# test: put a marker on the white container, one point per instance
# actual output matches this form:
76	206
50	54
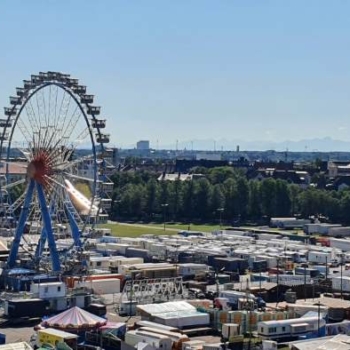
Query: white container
191	269
101	247
324	228
340	243
121	248
339	283
99	262
269	345
339	231
230	330
193	345
319	257
181	321
215	346
158	341
122	260
49	290
103	286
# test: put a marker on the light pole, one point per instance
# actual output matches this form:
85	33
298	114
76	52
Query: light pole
278	281
341	275
304	282
164	206
220	210
318	304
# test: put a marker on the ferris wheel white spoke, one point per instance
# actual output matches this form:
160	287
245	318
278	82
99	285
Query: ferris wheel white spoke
56	102
68	165
13	184
71	125
24	131
31	116
19	201
64	110
78	177
39	105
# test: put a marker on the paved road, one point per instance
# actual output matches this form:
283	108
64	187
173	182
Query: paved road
17	334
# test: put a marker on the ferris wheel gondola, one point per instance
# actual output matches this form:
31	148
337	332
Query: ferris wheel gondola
52	153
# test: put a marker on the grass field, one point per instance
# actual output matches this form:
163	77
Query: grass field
136	230
193	227
121	230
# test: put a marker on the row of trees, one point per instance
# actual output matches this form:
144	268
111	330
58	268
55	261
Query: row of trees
222	193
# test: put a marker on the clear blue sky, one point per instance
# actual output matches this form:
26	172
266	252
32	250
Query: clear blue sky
187	69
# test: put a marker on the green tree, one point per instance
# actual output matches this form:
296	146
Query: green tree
345	208
283	201
187	199
174	192
242	197
202	196
217	200
219	175
254	204
230	193
309	202
151	197
294	191
268	197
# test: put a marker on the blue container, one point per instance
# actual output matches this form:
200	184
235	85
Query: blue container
2	339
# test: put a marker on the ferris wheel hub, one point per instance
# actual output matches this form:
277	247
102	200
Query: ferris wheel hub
39	168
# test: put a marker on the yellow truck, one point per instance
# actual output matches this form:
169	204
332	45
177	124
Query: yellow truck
54	338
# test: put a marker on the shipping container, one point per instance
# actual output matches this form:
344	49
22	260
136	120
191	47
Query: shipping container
158	341
138	253
143	323
192	270
229	330
72	282
230	264
320	257
259	266
339	231
26	308
176	337
101	286
312	273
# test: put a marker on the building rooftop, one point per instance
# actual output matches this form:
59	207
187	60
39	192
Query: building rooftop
326	301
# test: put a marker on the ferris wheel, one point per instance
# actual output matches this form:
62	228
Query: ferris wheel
54	168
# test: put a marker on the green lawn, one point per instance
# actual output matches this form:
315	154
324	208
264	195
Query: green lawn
193	227
136	230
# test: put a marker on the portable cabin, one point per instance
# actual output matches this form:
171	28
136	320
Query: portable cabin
295	327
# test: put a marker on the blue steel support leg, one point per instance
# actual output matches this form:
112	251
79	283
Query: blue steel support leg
40	247
74	227
20	226
41	244
56	266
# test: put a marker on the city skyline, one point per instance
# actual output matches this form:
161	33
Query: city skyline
196	70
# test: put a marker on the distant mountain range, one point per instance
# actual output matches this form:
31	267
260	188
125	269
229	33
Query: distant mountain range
326	144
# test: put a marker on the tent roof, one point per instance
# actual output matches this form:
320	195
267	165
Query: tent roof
172	306
74	318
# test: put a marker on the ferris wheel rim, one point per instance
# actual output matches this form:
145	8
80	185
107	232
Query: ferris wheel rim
16	112
28	98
